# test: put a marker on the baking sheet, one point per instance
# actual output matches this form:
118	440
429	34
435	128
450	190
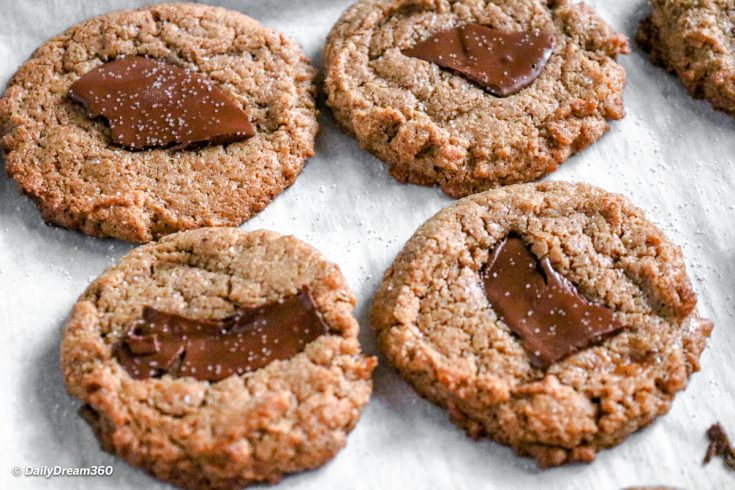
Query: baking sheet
672	155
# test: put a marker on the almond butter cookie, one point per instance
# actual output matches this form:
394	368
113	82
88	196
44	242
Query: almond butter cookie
471	95
217	358
695	40
140	123
553	318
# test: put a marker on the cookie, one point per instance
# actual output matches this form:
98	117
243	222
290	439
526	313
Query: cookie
656	487
551	317
140	123
695	41
473	95
217	358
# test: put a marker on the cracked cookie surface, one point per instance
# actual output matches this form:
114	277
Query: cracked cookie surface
288	416
434	127
695	40
66	162
434	322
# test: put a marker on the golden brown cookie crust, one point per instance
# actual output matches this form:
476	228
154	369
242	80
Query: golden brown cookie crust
435	325
288	416
433	127
65	162
695	40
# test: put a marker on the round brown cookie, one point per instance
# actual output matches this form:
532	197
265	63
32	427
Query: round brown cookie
435	322
695	40
433	126
205	430
67	163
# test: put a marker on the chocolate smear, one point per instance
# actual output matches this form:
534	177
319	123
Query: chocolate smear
149	103
541	306
503	63
166	343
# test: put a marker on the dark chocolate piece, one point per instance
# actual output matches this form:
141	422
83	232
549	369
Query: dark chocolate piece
166	343
719	445
542	307
504	63
153	104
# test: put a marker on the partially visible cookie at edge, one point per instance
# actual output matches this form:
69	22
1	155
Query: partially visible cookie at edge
172	411
695	39
435	127
67	162
437	325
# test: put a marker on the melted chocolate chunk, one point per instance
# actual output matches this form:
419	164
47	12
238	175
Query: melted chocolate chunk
543	308
152	104
504	63
719	445
165	343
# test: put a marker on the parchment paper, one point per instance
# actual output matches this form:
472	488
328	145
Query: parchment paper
671	155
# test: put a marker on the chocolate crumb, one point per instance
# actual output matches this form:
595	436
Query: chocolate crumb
719	445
